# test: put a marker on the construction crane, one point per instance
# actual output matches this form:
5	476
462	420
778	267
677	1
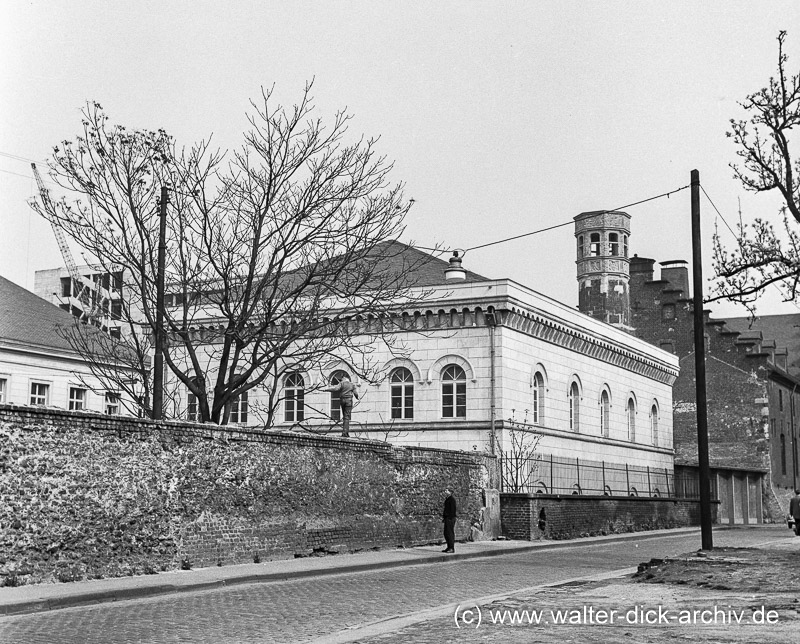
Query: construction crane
77	280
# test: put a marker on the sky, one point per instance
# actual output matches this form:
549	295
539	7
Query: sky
501	118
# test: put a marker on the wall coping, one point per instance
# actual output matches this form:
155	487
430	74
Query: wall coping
127	425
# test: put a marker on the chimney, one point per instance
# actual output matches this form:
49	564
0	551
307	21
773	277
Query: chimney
642	268
676	272
454	272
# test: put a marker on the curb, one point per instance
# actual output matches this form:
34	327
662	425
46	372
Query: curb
141	592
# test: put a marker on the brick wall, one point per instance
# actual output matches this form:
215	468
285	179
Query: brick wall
569	517
742	383
87	496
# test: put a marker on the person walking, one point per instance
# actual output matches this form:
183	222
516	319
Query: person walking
346	390
794	510
449	518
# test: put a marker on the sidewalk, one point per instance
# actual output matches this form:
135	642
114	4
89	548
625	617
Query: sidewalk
40	597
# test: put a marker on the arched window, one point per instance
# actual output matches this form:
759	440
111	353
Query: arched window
574	407
604	412
538	399
654	423
294	407
238	413
402	393
613	243
594	244
454	392
335	379
631	420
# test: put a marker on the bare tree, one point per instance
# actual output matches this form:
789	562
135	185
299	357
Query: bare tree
519	455
764	256
121	365
280	255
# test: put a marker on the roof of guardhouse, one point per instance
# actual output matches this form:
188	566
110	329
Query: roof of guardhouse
27	319
426	269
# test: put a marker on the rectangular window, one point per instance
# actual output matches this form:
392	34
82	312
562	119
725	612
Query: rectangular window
454	400
294	405
66	286
40	393
77	399
402	401
112	403
3	389
780	399
239	410
191	407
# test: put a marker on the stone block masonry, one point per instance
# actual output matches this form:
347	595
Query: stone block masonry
87	496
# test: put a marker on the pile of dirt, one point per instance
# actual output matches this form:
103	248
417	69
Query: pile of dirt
747	570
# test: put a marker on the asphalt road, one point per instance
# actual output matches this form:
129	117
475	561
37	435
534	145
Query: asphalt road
390	605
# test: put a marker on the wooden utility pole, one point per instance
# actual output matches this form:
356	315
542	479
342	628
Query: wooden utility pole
700	369
158	361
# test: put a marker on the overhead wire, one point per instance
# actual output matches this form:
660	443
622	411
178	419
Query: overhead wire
542	230
739	242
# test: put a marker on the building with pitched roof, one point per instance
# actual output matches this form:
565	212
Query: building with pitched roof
473	364
38	366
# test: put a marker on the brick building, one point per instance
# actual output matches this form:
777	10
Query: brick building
752	397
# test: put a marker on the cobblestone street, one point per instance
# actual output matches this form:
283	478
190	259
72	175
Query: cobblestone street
342	607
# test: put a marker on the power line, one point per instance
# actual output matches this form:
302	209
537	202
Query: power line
18	174
719	213
16	157
739	241
571	222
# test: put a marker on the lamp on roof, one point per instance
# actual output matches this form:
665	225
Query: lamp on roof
454	271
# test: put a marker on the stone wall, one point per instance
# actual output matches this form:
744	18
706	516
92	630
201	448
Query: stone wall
569	517
88	496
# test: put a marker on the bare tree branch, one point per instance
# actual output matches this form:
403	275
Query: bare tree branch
764	143
274	251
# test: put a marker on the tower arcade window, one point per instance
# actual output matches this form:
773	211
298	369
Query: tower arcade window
594	244
613	243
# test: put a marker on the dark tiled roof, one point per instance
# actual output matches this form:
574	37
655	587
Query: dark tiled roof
784	329
417	267
27	319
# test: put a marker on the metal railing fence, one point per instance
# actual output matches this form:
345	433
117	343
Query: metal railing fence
548	474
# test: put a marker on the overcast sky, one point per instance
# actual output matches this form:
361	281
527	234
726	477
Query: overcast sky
502	117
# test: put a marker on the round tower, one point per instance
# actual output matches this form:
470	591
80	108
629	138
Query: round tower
603	265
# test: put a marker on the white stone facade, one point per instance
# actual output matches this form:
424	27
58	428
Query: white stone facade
48	378
501	334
